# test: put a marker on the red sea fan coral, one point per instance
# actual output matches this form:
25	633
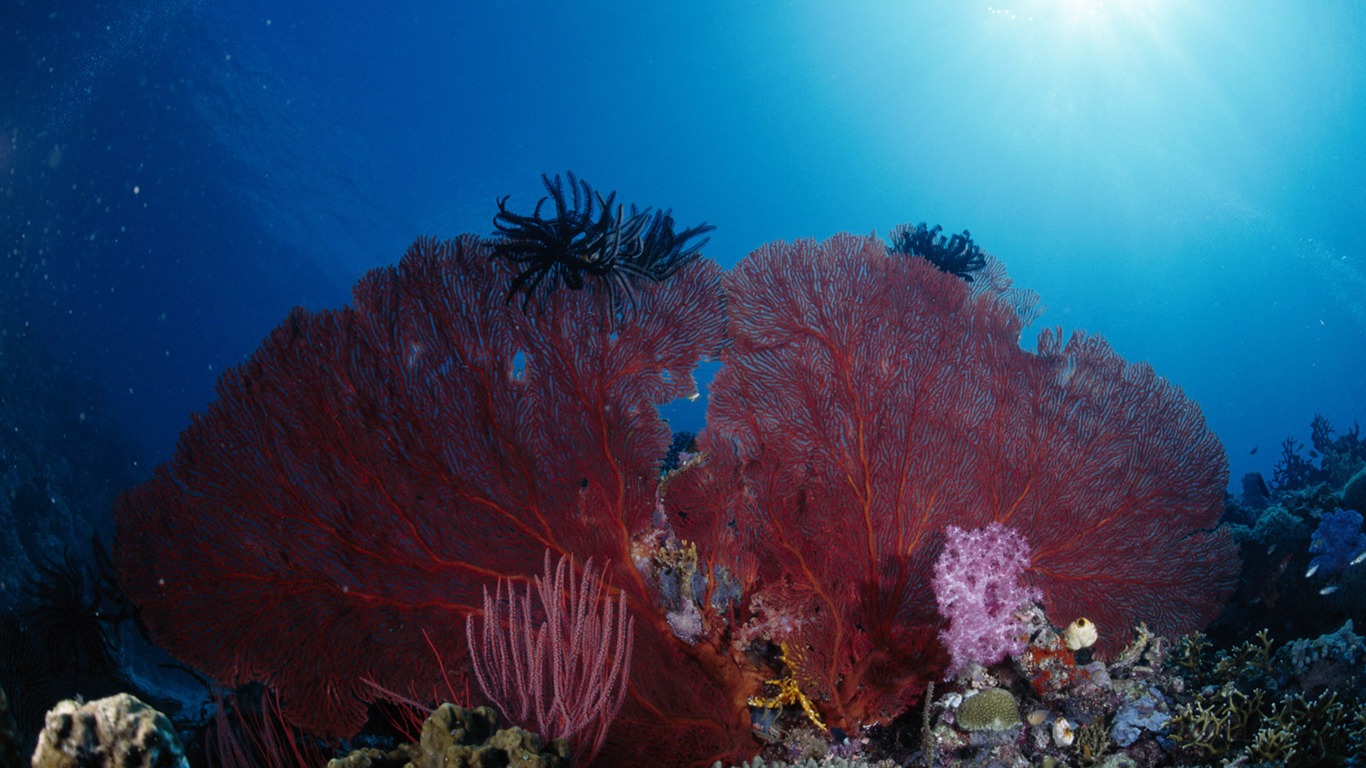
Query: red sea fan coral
368	471
866	403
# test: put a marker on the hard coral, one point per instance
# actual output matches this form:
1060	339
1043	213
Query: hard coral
117	732
994	709
456	737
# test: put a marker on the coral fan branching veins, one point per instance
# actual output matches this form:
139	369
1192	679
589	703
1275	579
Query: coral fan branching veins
369	471
865	403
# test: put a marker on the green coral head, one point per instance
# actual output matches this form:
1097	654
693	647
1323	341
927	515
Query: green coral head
994	709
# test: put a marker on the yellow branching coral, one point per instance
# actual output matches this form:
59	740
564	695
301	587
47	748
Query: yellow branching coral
788	694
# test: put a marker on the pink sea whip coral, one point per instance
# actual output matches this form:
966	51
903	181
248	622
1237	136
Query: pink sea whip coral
555	660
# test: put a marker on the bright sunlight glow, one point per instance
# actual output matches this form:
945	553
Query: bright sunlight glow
1094	38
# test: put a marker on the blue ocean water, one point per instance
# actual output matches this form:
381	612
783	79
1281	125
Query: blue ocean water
1186	178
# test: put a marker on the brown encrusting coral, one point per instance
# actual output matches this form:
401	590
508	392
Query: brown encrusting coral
456	737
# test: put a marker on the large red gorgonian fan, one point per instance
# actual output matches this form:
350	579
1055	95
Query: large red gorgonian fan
369	471
867	401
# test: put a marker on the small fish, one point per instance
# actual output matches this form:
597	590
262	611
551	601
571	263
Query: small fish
1252	452
1312	570
1330	589
1359	558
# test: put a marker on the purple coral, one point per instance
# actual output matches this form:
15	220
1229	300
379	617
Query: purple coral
977	586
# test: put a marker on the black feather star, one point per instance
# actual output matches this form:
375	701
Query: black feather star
74	610
586	238
957	255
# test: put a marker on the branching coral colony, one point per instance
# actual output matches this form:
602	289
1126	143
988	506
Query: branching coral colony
370	471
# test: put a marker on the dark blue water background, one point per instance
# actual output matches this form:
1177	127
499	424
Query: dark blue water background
1186	178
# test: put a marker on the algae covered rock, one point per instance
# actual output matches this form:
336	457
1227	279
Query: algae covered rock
456	737
118	732
373	758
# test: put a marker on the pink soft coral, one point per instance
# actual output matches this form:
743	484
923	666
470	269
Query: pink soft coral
977	586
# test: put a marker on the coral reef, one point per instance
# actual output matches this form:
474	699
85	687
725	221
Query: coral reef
1333	661
1158	703
1339	457
1294	471
1337	542
1301	545
830	761
993	709
117	732
1250	703
334	517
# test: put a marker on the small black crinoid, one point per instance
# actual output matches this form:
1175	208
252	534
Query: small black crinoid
586	238
74	610
957	255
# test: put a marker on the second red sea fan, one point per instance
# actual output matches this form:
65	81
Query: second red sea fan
368	471
868	401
